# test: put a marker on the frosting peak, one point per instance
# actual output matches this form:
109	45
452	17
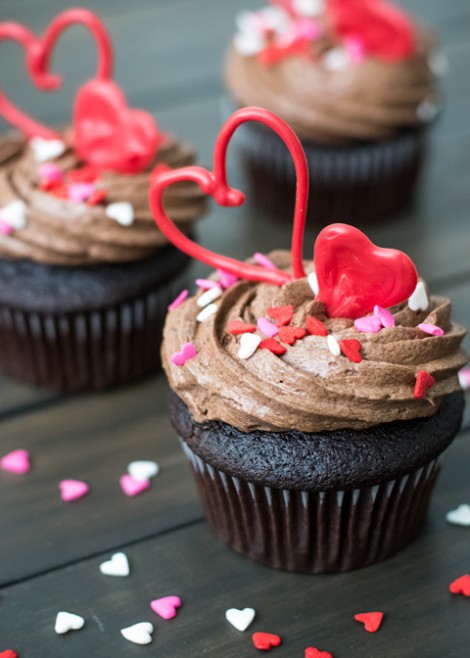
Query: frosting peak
309	386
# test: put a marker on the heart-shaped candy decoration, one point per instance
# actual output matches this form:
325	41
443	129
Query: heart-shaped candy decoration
215	184
131	486
73	490
14	214
240	619
16	462
461	585
166	606
108	134
67	621
9	653
118	565
424	381
371	620
121	211
38	54
47	149
249	343
237	327
312	652
354	275
282	315
266	641
418	300
290	334
188	351
140	633
143	469
351	348
459	516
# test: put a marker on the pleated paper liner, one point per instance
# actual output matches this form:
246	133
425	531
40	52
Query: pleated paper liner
89	350
314	531
358	184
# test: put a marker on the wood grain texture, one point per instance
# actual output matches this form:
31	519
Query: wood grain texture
421	617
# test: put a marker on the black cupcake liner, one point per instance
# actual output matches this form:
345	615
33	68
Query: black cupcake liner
314	531
87	350
360	183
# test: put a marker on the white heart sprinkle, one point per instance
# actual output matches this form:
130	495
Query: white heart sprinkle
240	619
248	345
336	59
309	7
140	633
427	111
207	312
46	149
313	283
121	211
333	345
209	296
14	214
419	299
67	621
459	516
143	469
118	565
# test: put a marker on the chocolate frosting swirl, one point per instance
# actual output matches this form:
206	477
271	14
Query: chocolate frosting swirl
308	388
64	232
372	99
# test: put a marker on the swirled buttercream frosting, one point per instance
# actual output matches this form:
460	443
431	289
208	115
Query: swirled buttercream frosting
327	86
60	222
309	387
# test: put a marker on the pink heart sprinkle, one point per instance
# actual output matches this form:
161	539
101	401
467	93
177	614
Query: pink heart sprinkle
5	228
179	300
16	462
50	172
369	324
207	284
188	351
80	191
166	606
131	486
264	261
431	329
385	317
267	327
226	279
73	490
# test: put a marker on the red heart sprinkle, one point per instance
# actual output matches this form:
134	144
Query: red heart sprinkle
312	652
316	327
351	347
96	197
290	334
236	327
282	314
86	174
60	191
8	654
265	641
46	185
461	585
273	346
424	381
371	620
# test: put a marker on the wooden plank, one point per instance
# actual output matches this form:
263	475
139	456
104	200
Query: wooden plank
421	617
89	438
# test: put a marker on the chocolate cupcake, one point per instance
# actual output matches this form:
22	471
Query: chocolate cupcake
356	81
85	276
314	400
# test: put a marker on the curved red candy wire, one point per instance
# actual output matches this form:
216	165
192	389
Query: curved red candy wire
215	184
38	51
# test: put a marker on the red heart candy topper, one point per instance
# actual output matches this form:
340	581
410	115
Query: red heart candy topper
353	274
106	133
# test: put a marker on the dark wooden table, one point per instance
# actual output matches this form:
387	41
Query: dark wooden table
168	59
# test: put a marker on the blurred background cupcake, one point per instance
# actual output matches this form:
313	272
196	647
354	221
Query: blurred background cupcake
85	276
356	80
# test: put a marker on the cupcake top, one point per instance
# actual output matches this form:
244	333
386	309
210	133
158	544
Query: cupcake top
62	211
335	70
80	196
263	357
